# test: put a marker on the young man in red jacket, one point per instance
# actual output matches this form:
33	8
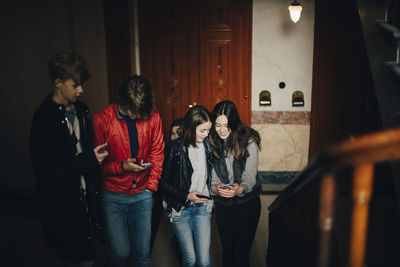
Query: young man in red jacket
132	128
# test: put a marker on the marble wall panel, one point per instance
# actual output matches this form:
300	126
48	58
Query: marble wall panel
284	147
281	117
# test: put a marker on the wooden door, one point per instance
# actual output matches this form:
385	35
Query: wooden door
225	54
196	52
168	55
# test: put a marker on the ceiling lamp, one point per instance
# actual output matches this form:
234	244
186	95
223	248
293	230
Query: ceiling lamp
295	11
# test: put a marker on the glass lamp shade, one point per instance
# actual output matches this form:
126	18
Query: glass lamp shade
295	11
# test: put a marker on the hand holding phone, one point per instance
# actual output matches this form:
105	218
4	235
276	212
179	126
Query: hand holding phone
225	185
146	165
202	196
105	145
131	165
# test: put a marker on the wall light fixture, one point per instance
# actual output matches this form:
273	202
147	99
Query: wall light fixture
295	11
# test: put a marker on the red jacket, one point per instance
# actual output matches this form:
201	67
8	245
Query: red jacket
107	123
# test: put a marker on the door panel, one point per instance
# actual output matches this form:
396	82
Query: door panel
224	46
196	52
166	56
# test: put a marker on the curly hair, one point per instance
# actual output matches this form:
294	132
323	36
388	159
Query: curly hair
136	94
240	137
177	122
66	64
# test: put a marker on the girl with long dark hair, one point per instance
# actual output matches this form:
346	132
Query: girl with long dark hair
185	185
235	183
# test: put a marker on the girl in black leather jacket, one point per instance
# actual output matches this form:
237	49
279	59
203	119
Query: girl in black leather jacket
185	185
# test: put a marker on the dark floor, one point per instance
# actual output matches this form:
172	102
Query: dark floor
22	244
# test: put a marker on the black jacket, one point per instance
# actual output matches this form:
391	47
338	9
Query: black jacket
176	177
67	226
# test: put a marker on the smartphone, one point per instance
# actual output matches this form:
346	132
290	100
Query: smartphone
106	145
147	164
203	196
225	185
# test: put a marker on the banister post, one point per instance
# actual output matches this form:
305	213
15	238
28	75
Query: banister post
362	190
326	217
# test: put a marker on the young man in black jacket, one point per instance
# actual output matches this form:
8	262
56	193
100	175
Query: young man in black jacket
65	163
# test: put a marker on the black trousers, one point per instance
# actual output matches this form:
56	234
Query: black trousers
237	225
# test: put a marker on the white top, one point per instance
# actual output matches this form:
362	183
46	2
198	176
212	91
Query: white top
197	157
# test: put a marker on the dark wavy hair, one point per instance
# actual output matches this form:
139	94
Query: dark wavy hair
136	94
239	137
193	118
176	122
66	64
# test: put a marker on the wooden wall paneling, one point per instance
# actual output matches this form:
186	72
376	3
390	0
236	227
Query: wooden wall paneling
146	36
193	55
342	87
118	43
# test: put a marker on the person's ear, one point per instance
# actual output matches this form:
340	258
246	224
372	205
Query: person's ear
58	83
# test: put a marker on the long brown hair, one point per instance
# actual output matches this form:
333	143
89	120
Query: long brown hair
240	137
193	118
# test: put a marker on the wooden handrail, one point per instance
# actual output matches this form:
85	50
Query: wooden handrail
360	153
375	147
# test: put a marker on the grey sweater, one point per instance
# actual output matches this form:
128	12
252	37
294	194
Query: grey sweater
249	174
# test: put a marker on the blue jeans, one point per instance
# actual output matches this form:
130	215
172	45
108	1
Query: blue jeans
128	225
193	230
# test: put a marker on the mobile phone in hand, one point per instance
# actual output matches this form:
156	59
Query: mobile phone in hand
106	145
225	185
146	165
202	196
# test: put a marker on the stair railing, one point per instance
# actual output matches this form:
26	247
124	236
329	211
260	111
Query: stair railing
362	153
